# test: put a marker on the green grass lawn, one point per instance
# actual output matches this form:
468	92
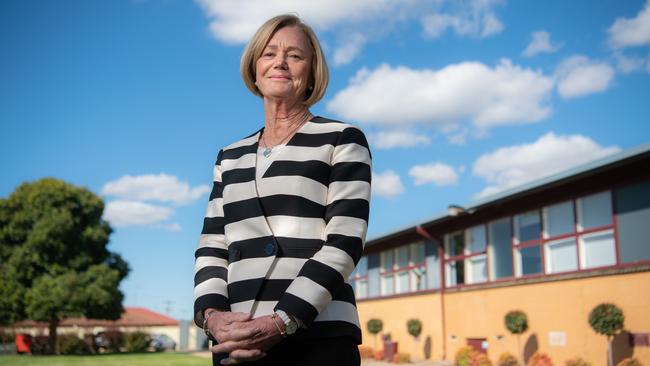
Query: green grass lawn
143	359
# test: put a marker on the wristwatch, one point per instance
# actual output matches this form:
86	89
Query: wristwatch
290	325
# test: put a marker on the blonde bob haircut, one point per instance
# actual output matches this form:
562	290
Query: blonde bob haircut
319	72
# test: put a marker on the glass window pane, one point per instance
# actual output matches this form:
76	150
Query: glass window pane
476	239
477	269
417	253
419	279
595	210
561	256
403	282
403	256
387	260
455	273
598	250
388	285
362	288
362	267
527	226
530	260
500	249
558	219
455	244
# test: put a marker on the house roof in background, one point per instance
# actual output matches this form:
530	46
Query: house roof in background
132	317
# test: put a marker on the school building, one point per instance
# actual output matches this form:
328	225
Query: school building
554	249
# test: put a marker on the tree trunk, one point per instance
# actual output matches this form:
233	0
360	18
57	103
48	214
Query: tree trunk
54	323
610	355
521	351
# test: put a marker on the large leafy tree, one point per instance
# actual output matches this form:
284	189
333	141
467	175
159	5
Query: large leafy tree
54	261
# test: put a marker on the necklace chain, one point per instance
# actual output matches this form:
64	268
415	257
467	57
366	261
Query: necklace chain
269	149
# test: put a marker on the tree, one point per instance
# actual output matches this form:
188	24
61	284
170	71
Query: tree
414	327
517	323
374	327
607	319
54	260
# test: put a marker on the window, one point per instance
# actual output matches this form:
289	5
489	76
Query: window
597	250
558	219
527	226
529	261
455	273
359	278
561	256
403	269
466	256
500	253
594	211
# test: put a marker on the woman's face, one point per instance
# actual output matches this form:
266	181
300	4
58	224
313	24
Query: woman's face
284	69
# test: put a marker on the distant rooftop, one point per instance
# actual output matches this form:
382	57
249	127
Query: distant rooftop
132	317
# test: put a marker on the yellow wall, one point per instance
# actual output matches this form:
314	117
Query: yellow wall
558	306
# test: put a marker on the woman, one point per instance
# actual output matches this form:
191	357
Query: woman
287	218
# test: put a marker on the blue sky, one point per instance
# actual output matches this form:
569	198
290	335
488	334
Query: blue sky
459	99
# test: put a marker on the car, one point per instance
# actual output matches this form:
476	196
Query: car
162	342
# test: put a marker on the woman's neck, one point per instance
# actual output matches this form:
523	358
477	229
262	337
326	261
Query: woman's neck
282	119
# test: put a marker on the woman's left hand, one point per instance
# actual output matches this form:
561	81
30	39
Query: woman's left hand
266	335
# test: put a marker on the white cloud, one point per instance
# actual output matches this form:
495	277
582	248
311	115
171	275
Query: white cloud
540	43
511	166
387	184
123	213
474	18
349	50
437	173
398	138
627	64
503	95
174	226
234	21
579	76
630	32
150	187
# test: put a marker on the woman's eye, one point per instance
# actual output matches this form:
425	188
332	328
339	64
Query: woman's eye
297	57
268	54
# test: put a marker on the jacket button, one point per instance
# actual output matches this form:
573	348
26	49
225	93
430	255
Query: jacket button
269	249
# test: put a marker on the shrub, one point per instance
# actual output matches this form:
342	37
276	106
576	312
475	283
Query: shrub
136	341
366	352
41	345
378	355
375	326
606	319
464	356
70	344
7	337
576	361
516	322
401	358
110	341
414	327
480	359
630	361
540	359
507	359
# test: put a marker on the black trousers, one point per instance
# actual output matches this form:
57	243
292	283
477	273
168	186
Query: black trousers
340	351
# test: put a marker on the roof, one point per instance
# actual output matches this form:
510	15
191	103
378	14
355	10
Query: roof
132	317
580	171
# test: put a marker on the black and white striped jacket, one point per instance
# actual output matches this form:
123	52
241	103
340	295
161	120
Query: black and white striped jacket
294	247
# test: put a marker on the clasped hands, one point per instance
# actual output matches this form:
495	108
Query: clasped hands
243	338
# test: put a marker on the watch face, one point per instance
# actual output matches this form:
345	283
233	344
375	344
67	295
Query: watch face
292	327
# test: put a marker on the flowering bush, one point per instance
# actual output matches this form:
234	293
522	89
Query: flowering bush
464	356
480	359
540	359
630	361
366	352
507	359
576	361
401	357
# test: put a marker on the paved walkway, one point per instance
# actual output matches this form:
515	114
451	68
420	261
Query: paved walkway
365	361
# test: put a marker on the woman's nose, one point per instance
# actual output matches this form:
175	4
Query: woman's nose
280	62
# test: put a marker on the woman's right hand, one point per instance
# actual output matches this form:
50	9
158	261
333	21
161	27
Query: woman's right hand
228	326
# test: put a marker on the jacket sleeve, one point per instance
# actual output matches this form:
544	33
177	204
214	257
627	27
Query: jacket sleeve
211	256
346	218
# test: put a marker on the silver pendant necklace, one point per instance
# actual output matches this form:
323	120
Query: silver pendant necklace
269	149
